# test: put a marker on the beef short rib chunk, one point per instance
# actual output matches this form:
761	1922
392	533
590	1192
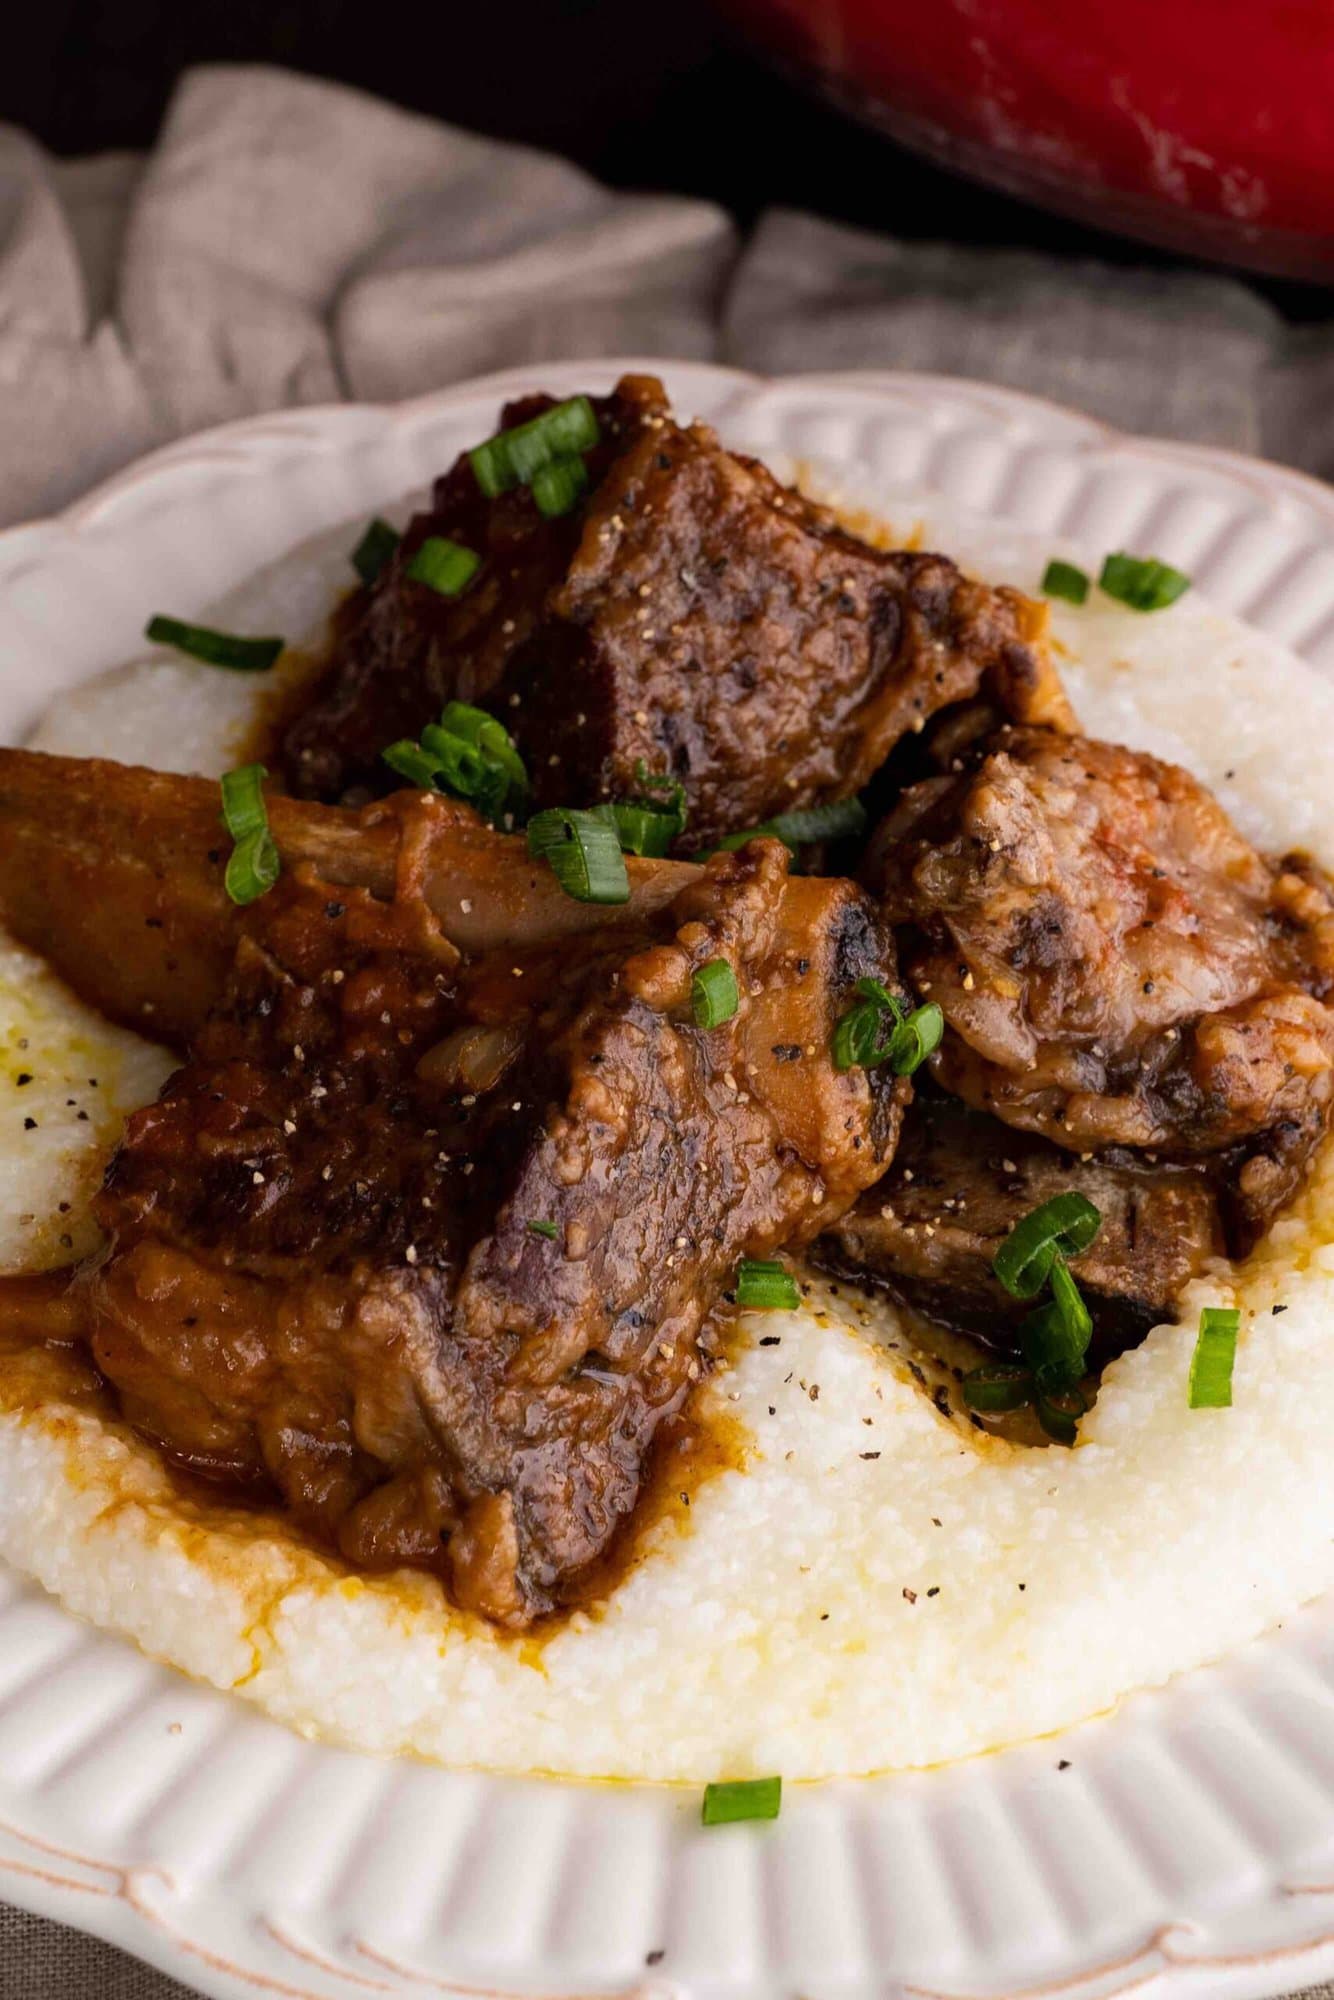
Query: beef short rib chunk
719	627
1116	964
958	1184
426	1247
400	650
694	617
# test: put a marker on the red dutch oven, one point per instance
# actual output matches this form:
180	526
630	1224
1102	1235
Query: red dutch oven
1203	125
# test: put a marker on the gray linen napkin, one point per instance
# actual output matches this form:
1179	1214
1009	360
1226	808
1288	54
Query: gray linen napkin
290	241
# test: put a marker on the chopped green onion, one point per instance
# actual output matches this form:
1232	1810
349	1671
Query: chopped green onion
877	1030
491	740
375	549
1070	1301
583	852
915	1039
639	829
646	824
548	1229
418	766
467	754
713	994
1142	582
253	865
661	781
840	821
1059	1412
750	1798
1056	1336
515	456
444	566
762	1285
218	649
1212	1362
873	989
1063	579
559	486
1065	1225
860	1038
1001	1385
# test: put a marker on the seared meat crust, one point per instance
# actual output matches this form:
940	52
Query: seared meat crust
1116	965
325	1276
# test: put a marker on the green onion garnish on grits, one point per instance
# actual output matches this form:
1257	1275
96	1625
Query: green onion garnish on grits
713	995
1215	1354
444	566
1063	579
1142	582
582	852
253	865
216	649
1059	1411
514	457
762	1285
374	550
559	486
743	1798
997	1387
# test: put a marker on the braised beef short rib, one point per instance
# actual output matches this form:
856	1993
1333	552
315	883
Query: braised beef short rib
693	617
426	1246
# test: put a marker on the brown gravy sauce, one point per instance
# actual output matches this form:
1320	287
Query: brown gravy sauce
44	1361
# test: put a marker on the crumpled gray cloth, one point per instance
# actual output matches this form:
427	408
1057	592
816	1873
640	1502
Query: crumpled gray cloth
290	241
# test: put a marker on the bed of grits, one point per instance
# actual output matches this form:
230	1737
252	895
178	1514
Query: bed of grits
872	1586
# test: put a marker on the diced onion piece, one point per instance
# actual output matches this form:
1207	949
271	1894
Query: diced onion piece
472	1058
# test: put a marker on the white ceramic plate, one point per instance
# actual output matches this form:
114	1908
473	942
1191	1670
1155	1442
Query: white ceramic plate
1182	1847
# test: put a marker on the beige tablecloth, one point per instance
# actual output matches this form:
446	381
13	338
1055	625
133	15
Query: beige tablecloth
289	241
